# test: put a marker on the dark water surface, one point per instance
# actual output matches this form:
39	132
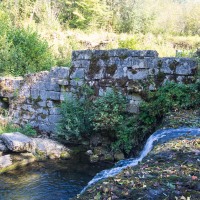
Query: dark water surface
47	180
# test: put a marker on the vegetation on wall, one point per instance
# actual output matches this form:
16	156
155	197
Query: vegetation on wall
108	114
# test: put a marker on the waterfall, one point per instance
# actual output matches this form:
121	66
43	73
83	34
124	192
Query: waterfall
158	137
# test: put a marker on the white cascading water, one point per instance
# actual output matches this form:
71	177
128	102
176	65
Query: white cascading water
158	137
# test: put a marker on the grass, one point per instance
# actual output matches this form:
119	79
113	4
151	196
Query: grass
10	128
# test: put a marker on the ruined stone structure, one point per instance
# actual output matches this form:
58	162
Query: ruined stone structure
35	99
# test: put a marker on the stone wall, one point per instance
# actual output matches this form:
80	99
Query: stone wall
35	99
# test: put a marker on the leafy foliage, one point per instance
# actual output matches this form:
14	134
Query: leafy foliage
172	96
23	52
76	113
108	111
81	13
26	129
129	43
108	114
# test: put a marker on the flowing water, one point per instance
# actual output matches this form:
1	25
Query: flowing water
50	180
64	179
158	137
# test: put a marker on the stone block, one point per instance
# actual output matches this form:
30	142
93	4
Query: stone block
99	75
42	103
120	73
153	71
114	61
54	111
81	64
40	85
166	68
102	63
62	82
137	74
35	94
60	72
133	107
54	118
44	127
134	63
151	62
43	119
79	73
44	95
118	53
186	67
52	86
82	55
54	95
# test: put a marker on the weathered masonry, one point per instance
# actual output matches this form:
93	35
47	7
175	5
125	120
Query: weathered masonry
35	99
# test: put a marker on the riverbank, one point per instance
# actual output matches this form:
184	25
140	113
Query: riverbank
170	171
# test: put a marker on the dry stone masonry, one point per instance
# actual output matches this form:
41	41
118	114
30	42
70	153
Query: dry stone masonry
35	99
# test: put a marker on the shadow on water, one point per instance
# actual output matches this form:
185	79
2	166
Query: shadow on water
52	180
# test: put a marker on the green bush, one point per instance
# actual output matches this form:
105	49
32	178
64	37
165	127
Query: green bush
82	117
10	128
111	117
108	111
130	43
23	52
76	113
172	96
108	114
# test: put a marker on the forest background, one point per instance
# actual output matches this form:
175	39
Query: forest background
51	29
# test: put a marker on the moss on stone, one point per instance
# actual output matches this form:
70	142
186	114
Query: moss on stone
160	78
93	69
111	69
173	65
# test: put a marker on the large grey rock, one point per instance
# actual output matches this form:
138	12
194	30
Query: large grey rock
5	161
3	147
50	148
17	142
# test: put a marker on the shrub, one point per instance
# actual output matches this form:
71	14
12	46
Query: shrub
82	117
23	52
26	130
108	114
76	113
108	111
172	96
111	117
130	43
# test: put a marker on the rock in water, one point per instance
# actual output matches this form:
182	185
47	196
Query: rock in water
17	142
5	161
50	148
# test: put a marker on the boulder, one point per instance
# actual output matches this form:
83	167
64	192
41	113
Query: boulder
17	142
89	152
3	147
49	148
94	158
119	156
5	161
